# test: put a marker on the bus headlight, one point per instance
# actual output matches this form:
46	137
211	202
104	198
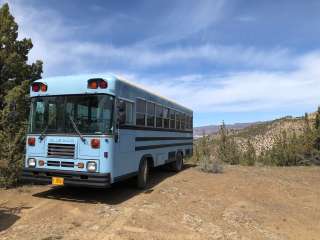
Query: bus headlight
31	162
91	166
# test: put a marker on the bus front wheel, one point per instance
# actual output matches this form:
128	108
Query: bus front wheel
143	174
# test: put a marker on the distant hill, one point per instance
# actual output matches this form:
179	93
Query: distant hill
212	129
261	134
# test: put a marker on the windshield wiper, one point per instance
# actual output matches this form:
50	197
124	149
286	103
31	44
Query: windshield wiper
43	133
76	129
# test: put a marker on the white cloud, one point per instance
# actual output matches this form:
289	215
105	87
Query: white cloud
245	91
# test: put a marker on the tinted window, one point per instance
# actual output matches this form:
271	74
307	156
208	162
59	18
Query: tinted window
178	120
125	112
159	116
183	121
150	114
166	118
172	119
140	112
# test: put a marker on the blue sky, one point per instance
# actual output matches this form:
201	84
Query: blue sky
238	61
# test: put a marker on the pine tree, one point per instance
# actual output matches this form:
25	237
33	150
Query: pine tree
227	147
15	77
308	138
249	156
223	143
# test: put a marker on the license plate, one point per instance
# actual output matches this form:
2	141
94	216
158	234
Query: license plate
57	181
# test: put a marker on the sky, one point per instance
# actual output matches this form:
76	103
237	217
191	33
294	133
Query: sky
228	60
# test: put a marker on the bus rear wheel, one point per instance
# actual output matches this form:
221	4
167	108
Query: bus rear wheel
177	165
143	174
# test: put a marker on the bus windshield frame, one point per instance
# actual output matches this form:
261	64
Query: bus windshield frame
91	113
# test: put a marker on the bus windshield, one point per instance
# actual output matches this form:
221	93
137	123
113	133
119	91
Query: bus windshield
92	114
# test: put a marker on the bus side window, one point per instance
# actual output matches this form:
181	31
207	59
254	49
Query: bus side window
159	116
183	119
172	119
125	113
140	112
166	118
178	120
150	114
187	122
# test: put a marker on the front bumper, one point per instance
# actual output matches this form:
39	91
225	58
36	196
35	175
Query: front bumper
71	178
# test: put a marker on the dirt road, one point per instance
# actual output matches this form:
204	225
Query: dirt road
241	203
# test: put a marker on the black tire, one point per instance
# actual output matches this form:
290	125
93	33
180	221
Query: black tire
177	165
143	174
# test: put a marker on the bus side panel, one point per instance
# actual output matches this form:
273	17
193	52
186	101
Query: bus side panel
134	144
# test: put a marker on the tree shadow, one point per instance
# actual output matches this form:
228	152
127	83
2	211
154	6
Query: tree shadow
118	193
8	216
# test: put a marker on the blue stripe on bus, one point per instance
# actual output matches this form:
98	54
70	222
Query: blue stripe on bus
142	128
140	139
140	148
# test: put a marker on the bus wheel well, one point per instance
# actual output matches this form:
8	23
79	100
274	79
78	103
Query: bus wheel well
150	160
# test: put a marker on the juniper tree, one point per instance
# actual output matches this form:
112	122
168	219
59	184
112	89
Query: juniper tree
16	74
249	156
228	150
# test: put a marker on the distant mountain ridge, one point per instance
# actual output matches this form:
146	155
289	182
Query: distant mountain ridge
212	129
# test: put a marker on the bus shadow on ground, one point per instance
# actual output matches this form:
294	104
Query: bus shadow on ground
118	193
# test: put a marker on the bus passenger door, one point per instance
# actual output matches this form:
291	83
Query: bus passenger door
125	141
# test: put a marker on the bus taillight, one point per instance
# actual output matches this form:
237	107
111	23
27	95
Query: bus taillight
36	87
95	143
31	141
103	84
43	87
95	83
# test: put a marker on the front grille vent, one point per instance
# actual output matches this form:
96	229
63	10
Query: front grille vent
53	163
61	150
67	164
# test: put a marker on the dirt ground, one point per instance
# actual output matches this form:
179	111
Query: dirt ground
241	203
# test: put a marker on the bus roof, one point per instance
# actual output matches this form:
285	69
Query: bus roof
77	84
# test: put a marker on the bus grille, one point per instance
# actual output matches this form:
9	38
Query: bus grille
60	164
61	150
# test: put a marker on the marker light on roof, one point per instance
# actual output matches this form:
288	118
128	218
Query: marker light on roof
36	87
43	87
103	84
95	83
